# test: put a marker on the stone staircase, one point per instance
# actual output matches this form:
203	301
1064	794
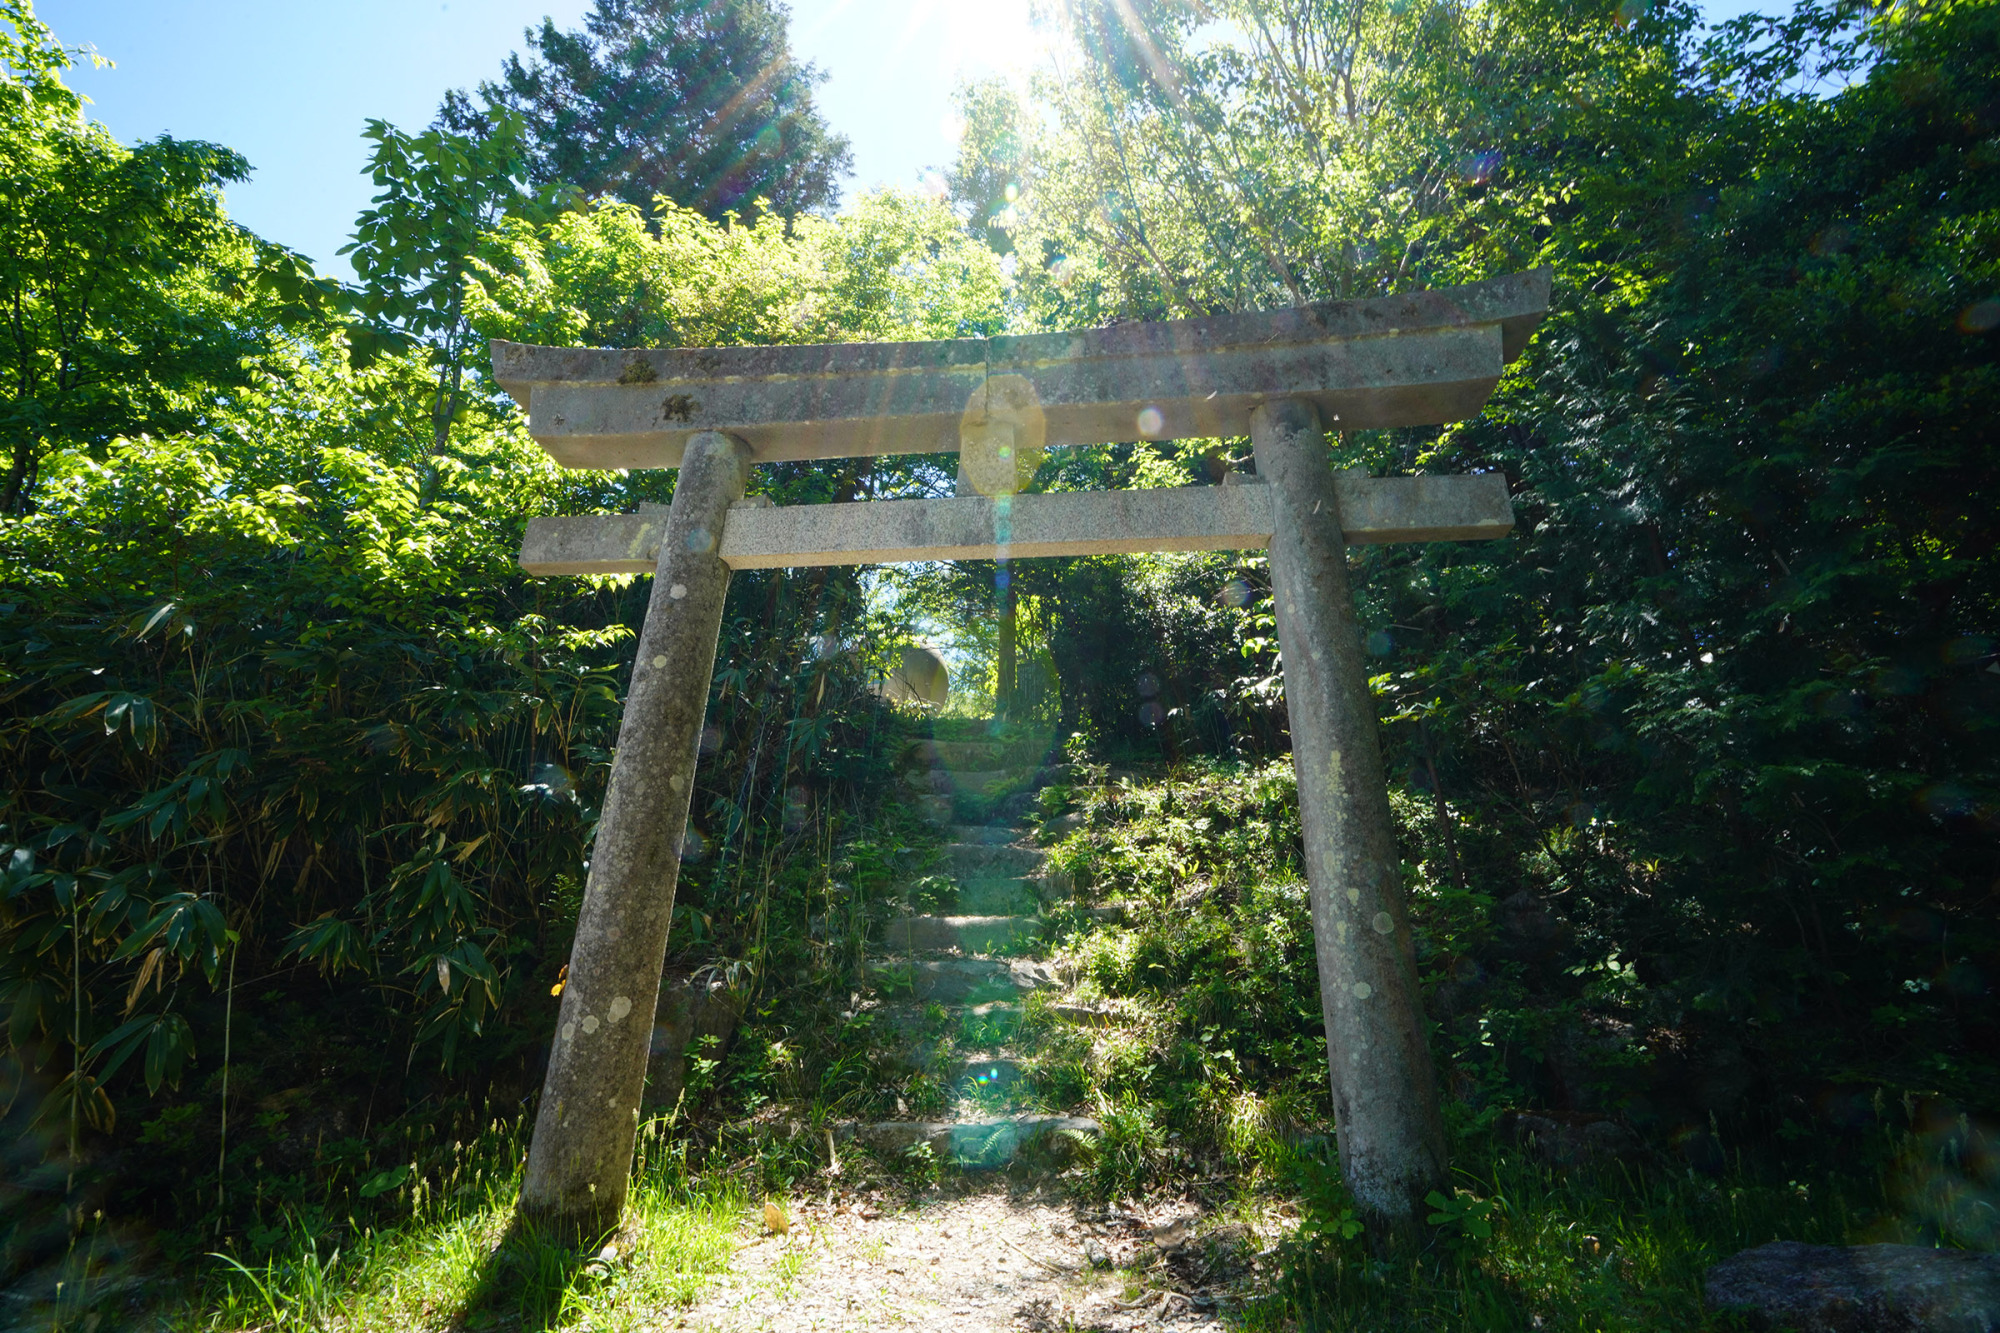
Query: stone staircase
949	972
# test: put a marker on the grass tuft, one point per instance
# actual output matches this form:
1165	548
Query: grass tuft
458	1259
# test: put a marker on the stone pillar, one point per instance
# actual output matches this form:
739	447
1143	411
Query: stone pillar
1392	1148
580	1159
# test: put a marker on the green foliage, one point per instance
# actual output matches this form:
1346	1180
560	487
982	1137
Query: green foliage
991	164
131	300
700	104
1697	767
282	717
441	193
894	267
1209	1068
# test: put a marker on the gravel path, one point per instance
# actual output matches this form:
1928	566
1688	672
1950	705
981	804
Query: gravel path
987	1262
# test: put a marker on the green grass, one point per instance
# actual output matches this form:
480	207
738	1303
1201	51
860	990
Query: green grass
1622	1248
457	1260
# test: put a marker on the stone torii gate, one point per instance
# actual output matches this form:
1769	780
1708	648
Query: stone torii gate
1283	377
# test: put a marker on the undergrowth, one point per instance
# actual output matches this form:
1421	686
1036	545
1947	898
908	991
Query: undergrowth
1207	1073
458	1258
1205	1068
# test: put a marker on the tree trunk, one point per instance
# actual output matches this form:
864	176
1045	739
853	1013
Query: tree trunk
13	497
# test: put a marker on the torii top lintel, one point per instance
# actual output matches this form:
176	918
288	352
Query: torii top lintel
1422	359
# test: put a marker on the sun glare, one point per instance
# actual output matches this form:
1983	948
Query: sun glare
969	41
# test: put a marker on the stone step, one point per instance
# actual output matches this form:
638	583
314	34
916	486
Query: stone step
961	756
1000	897
985	835
910	1039
983	782
1055	830
961	980
979	860
990	783
1086	1015
977	1144
990	1076
969	934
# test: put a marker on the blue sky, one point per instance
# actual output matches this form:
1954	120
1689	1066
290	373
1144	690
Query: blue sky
290	84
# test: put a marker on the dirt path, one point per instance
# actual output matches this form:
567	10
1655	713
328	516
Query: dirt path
989	1262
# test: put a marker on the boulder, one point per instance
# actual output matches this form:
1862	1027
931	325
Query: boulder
1859	1288
920	676
690	1009
1571	1140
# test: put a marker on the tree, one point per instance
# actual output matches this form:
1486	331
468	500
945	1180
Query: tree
894	267
1708	739
442	193
992	162
114	265
274	692
696	101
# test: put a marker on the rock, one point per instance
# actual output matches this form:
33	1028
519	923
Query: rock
1570	1141
973	859
999	897
1859	1289
966	980
991	835
974	1144
689	1010
1525	929
1083	1015
1055	830
1016	806
972	934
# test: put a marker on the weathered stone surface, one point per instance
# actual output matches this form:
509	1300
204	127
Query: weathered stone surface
1392	1145
975	782
987	1075
984	756
972	934
967	980
1372	510
1859	1289
1571	1141
974	1144
580	1158
689	1011
987	834
1055	830
996	859
1000	896
1388	361
1088	1015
